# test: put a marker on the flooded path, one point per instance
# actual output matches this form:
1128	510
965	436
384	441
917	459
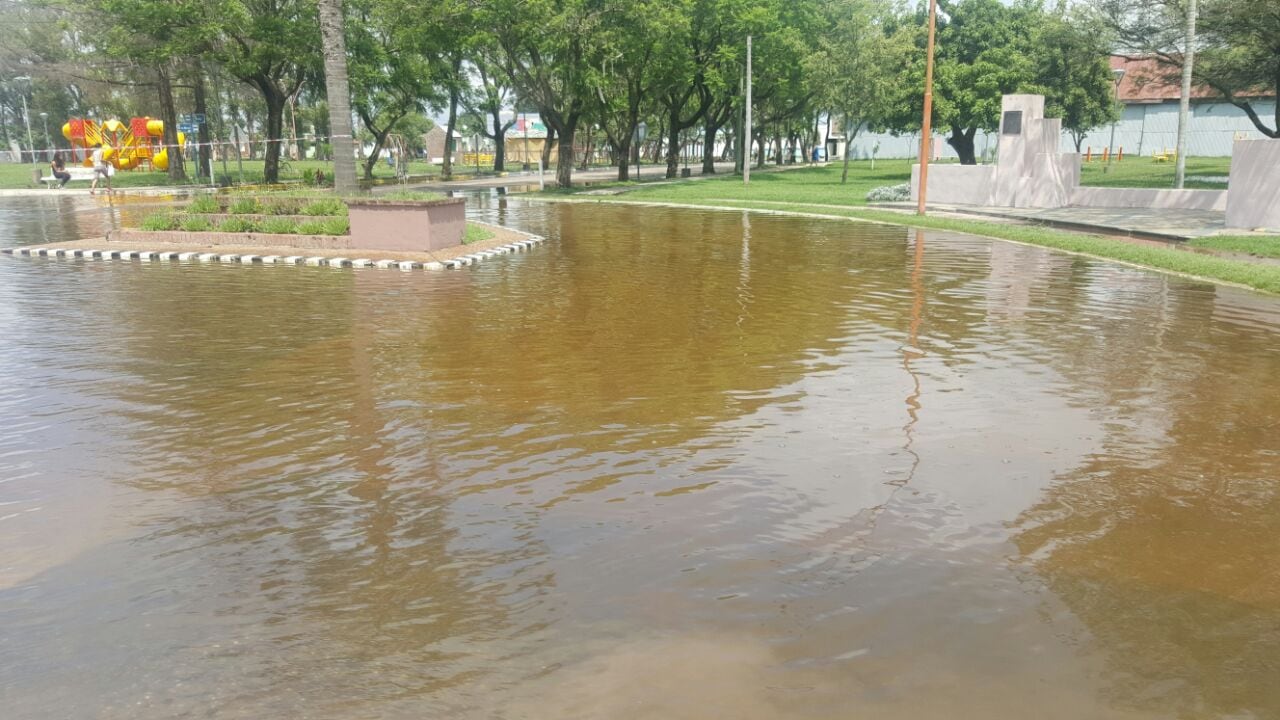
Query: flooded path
671	464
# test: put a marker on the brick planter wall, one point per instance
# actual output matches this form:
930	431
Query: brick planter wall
248	239
407	226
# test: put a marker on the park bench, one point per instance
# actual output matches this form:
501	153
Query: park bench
77	173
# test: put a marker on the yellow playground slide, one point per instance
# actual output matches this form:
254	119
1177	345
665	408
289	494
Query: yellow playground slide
124	146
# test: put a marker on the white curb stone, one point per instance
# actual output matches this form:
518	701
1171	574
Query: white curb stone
315	261
293	260
147	255
385	264
188	256
409	265
250	259
270	259
339	262
362	263
207	257
433	266
228	258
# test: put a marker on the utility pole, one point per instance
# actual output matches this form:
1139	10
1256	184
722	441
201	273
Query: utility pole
1184	106
746	145
26	118
926	131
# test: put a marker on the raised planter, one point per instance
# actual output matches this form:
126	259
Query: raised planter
246	239
406	225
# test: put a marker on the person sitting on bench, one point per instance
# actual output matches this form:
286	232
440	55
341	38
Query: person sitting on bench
60	170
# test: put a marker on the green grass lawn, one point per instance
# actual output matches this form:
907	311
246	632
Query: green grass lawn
1261	245
808	185
1144	172
19	176
818	190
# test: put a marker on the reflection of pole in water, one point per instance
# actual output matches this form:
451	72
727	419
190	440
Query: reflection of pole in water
911	351
744	270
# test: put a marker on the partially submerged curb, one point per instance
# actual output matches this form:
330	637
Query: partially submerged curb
247	259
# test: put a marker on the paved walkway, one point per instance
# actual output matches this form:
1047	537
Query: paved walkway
1136	222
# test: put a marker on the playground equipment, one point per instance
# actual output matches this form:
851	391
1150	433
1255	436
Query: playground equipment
124	146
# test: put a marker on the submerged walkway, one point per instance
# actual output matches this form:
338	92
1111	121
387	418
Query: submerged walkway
1161	224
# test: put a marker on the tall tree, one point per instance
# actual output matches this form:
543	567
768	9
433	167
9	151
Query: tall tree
547	50
1073	72
338	93
857	66
985	50
1238	55
271	46
487	105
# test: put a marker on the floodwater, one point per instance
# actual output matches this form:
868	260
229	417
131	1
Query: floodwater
670	464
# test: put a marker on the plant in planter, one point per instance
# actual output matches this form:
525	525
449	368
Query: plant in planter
244	206
278	226
195	223
236	225
204	205
327	207
160	221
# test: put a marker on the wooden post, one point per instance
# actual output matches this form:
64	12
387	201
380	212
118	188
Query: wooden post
926	132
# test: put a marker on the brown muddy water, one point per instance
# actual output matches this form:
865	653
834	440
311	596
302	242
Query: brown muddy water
670	464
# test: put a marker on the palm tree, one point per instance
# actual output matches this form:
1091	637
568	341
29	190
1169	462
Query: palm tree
339	92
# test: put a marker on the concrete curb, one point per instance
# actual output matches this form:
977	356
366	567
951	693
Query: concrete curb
333	262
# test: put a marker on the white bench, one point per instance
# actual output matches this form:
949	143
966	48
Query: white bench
77	173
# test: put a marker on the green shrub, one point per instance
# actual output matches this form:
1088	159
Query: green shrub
328	207
195	223
159	221
278	225
236	225
204	205
410	195
475	233
337	226
244	206
312	227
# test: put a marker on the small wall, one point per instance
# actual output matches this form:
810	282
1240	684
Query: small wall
248	239
956	184
408	226
1149	198
1254	200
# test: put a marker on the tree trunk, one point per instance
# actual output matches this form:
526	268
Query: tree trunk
205	152
337	89
275	133
379	141
168	113
962	142
446	170
673	144
499	142
564	163
622	151
850	132
546	145
586	153
248	131
709	149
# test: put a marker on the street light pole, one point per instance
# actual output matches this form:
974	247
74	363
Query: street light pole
926	131
26	118
44	118
746	135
